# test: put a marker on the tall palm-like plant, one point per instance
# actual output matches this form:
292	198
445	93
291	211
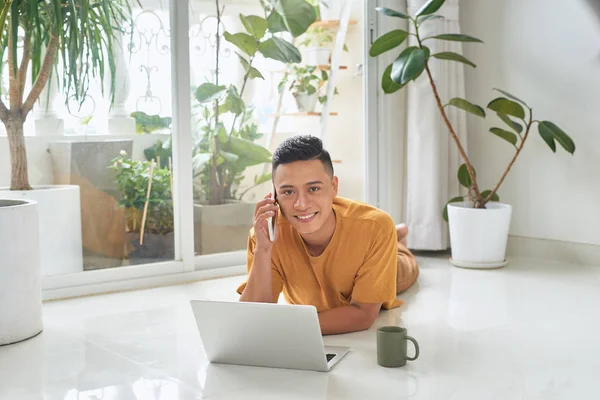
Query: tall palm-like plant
80	33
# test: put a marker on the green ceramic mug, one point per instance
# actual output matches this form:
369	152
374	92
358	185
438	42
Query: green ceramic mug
392	343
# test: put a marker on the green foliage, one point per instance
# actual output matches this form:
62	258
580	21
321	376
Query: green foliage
388	42
132	179
410	64
85	31
236	154
160	150
224	150
145	123
306	79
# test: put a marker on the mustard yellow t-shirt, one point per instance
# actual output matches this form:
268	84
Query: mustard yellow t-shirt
360	262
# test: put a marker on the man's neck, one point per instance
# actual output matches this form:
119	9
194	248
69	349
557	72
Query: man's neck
320	239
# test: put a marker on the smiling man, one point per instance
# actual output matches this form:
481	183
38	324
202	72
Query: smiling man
346	258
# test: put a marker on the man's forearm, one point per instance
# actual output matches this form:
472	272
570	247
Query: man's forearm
343	320
259	287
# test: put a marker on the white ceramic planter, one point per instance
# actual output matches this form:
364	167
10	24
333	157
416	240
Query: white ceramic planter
306	102
59	209
331	10
20	286
478	237
317	56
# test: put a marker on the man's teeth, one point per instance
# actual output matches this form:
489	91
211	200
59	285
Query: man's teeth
306	216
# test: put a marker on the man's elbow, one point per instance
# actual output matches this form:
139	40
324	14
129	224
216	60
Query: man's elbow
256	298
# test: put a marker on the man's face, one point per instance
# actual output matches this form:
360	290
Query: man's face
305	193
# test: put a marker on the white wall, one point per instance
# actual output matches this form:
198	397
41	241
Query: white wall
547	52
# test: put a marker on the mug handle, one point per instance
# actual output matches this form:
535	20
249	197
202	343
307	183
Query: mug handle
416	349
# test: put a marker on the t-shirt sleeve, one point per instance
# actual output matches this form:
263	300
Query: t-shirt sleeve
375	280
276	279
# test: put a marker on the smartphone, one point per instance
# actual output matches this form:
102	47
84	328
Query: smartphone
272	222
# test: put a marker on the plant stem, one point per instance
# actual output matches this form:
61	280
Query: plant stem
13	89
215	197
19	177
43	76
475	186
513	159
246	76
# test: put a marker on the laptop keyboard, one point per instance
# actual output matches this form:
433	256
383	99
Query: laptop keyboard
330	357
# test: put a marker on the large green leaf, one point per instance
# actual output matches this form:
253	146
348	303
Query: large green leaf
243	41
506	135
549	128
145	123
200	159
209	92
430	7
260	179
448	55
424	19
255	25
233	102
510	96
467	106
508	107
409	65
514	125
548	138
455	37
387	42
249	153
486	193
275	22
452	200
387	83
391	13
280	50
463	176
297	15
250	70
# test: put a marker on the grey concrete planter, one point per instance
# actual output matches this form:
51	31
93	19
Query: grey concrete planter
222	228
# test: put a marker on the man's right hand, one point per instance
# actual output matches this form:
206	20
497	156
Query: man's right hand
264	209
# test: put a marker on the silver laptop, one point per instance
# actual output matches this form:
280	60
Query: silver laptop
264	335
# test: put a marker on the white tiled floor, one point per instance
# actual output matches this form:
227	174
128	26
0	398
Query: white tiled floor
528	331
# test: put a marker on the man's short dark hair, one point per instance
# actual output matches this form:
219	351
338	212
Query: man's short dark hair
302	148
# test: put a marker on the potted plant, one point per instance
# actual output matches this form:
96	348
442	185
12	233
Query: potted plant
317	41
146	197
226	145
306	87
20	282
48	32
478	222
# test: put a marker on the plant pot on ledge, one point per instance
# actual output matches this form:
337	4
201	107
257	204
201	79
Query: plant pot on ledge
20	281
478	237
306	102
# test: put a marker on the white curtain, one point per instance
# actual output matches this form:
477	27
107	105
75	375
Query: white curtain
432	159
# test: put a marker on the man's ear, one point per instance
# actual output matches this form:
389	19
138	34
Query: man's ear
335	183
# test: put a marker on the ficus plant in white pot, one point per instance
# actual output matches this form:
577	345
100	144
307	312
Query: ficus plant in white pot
478	222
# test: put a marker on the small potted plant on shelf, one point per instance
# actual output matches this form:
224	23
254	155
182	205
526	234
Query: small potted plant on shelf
146	197
318	41
478	222
306	87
